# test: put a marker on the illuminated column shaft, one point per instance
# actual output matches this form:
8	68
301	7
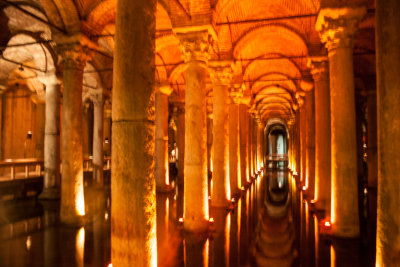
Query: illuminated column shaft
243	144
51	182
161	155
254	148
338	33
319	70
388	95
40	128
133	207
310	140
107	129
181	157
72	198
234	148
303	143
196	213
221	193
209	142
297	144
260	141
98	154
250	144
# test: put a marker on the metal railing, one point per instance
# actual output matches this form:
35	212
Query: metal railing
25	164
33	167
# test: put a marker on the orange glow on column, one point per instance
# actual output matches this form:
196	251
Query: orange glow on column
79	198
316	185
333	188
239	178
228	183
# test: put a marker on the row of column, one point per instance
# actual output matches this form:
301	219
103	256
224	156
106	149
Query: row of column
336	181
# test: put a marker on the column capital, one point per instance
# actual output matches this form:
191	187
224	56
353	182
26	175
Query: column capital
195	45
97	97
49	79
221	72
75	50
2	89
337	26
300	98
319	67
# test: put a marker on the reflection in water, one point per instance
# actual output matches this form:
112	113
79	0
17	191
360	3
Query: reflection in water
80	247
270	225
196	250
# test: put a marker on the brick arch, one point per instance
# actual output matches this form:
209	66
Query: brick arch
274	79
269	39
62	13
105	14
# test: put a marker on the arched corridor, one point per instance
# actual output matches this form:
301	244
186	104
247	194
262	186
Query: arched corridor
199	133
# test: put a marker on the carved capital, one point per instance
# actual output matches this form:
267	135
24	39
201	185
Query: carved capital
49	79
195	45
75	50
319	68
300	98
337	26
221	72
2	89
97	97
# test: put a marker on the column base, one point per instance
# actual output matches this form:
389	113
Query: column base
198	227
227	205
73	220
345	232
50	194
165	189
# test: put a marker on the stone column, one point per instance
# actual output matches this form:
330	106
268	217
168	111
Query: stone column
297	144
98	152
260	142
372	139
303	144
40	127
310	143
209	145
161	156
107	128
51	182
319	69
181	157
255	142
337	28
250	144
74	55
195	49
243	121
221	75
388	95
234	147
133	187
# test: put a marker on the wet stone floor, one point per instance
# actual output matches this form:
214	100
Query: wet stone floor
270	225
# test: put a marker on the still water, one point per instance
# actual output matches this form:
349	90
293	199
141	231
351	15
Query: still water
270	225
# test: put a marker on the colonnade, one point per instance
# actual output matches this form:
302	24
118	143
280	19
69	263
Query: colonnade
326	162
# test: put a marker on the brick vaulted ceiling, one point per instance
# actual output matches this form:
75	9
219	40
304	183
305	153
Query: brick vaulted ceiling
269	42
